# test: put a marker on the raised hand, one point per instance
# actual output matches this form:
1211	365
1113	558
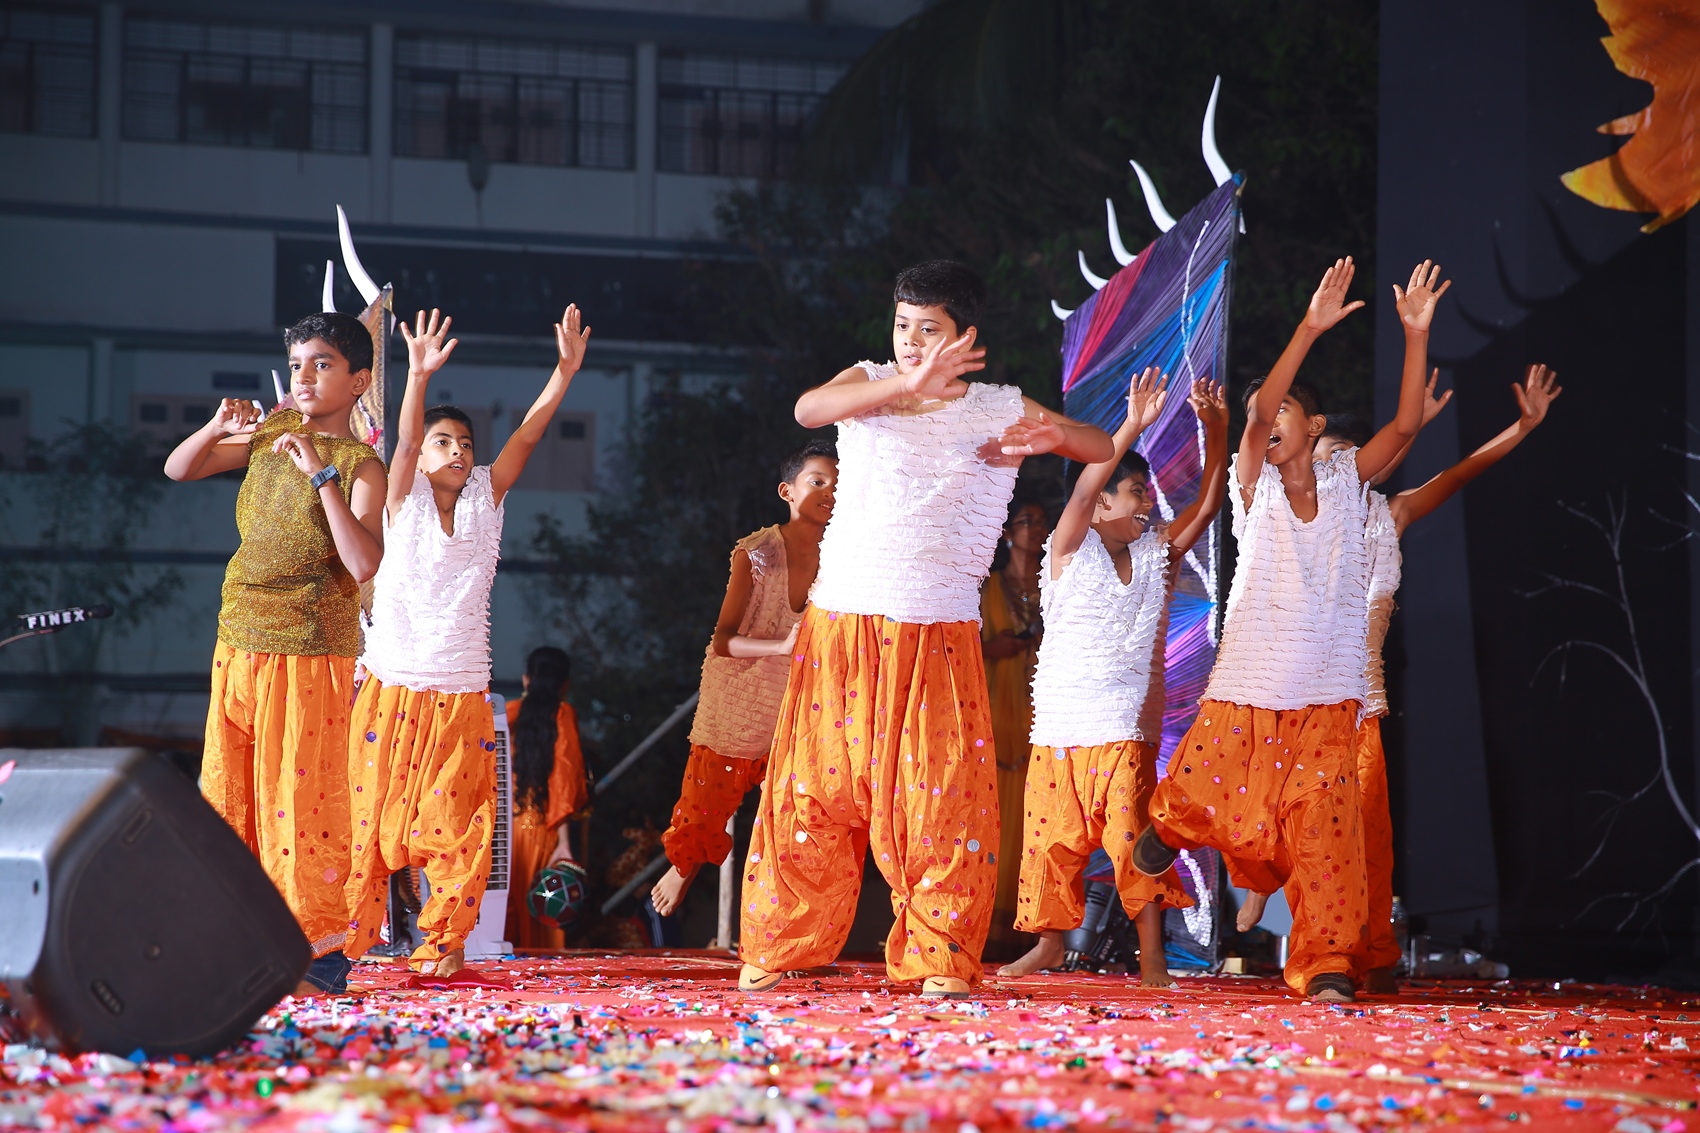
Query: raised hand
426	348
1535	396
235	416
570	340
1431	404
1210	401
299	448
1417	301
1328	305
939	376
1030	436
1145	397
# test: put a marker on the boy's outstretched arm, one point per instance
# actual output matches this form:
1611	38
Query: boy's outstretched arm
851	394
426	353
1209	400
1416	304
1535	396
571	340
728	642
1432	406
220	445
356	523
1040	430
1327	307
1145	397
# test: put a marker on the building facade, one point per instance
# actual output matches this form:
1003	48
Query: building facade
169	177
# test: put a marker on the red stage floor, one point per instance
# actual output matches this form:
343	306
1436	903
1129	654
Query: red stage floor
665	1041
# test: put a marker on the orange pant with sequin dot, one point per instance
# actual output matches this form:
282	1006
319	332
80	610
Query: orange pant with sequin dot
1276	792
276	769
1378	844
422	777
884	742
1077	799
713	790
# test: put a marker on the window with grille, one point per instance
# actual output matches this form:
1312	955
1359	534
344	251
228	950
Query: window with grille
734	116
47	71
524	103
244	85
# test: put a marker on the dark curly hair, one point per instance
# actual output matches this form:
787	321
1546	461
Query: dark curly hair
346	333
947	284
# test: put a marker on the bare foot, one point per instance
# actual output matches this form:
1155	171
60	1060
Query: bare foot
1048	953
1153	965
945	987
445	965
669	892
1252	911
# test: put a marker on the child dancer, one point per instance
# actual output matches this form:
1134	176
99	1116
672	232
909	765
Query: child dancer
1265	775
276	762
1387	522
884	740
1098	691
549	787
743	675
421	734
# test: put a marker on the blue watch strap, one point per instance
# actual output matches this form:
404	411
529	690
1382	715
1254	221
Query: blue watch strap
324	476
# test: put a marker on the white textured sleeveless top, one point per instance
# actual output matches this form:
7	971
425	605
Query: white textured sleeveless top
430	623
1100	674
1385	563
1297	625
741	695
918	511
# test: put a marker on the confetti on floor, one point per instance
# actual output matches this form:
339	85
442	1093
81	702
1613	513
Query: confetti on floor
665	1041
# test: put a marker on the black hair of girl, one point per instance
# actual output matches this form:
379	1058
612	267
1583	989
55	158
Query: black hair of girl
535	728
1000	556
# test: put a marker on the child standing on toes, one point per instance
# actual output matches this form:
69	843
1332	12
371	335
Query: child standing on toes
884	740
1098	690
276	765
422	736
1266	774
743	676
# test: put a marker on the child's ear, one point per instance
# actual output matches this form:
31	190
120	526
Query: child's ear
362	379
785	490
1318	422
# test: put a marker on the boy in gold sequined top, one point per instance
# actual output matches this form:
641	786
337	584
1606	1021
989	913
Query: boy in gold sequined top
309	514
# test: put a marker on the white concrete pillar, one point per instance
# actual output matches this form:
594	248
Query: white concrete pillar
109	96
645	107
382	106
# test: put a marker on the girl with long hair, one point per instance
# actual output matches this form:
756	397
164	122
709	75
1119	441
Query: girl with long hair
549	787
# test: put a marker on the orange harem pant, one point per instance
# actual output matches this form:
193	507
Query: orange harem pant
422	771
713	790
883	741
1276	792
1378	844
276	769
1078	798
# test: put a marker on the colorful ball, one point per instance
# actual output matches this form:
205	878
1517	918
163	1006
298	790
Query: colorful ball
558	894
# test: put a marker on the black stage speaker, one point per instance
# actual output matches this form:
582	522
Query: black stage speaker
131	916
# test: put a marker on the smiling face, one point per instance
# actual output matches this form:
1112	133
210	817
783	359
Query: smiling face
916	330
1293	436
811	493
1121	512
320	382
446	456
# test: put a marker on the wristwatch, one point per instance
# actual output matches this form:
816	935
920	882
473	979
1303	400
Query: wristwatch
324	476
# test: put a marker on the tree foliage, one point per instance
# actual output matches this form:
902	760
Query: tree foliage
1011	121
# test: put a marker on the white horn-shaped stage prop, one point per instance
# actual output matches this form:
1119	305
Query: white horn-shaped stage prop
328	300
277	386
1212	157
1159	215
1117	248
1060	311
351	262
1097	281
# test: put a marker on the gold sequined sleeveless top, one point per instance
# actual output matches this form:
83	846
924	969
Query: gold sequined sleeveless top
285	590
